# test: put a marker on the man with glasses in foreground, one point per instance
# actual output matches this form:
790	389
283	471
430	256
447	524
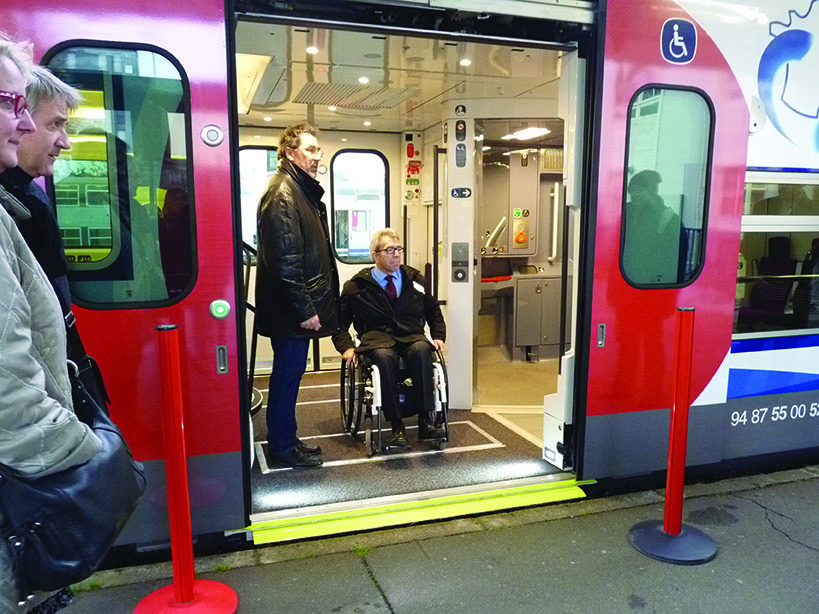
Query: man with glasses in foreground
389	307
296	285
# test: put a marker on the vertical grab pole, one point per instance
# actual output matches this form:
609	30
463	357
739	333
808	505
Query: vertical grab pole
678	435
176	467
186	594
671	541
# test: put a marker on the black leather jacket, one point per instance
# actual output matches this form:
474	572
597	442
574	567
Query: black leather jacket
296	275
378	325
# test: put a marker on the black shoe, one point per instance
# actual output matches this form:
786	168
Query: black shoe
430	431
297	458
311	450
399	440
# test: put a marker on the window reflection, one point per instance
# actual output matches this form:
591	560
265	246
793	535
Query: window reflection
122	192
664	211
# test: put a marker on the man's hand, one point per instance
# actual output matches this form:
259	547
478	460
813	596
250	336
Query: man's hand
311	324
349	356
439	345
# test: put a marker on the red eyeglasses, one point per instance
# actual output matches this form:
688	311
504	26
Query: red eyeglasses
18	102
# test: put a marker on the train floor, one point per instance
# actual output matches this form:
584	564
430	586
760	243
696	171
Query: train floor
482	448
567	558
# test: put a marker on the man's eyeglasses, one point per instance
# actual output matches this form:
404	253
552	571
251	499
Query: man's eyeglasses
314	152
18	102
392	250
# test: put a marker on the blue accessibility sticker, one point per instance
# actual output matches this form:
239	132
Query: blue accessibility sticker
678	42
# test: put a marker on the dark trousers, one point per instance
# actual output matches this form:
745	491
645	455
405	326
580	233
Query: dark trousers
418	357
289	364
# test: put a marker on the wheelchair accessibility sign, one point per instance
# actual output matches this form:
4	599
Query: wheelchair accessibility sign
678	41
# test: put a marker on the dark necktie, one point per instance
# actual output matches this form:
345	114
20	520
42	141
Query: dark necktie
392	295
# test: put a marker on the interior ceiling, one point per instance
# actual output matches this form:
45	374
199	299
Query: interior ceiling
408	79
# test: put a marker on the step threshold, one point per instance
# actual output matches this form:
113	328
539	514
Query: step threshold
382	512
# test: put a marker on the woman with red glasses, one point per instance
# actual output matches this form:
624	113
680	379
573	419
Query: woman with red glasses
39	433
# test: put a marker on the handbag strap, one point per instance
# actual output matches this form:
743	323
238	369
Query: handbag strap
73	336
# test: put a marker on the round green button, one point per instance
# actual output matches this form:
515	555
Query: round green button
220	309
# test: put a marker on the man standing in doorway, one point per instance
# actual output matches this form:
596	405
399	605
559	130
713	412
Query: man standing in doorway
296	285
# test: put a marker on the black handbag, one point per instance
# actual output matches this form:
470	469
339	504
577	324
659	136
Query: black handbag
59	527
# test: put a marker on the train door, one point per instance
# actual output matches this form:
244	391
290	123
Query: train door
136	212
668	199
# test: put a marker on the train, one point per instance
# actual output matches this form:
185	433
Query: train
570	174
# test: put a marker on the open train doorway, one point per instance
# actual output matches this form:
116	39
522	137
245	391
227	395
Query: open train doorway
428	114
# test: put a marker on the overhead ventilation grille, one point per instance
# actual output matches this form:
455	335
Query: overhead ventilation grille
354	96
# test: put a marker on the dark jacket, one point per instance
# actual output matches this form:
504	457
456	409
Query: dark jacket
296	275
41	231
378	325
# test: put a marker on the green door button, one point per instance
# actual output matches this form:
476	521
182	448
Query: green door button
220	309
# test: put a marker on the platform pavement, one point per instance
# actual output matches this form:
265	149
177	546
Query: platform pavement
567	558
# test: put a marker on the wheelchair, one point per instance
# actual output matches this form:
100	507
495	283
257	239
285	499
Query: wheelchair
361	401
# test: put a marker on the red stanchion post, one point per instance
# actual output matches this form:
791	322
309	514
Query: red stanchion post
671	541
186	594
678	434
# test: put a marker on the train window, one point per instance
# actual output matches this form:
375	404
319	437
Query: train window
778	271
123	193
256	164
360	201
665	187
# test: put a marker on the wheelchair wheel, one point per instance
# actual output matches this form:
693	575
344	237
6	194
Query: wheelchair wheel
445	404
347	384
355	398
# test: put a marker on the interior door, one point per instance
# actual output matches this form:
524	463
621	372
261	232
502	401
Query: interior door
659	66
170	60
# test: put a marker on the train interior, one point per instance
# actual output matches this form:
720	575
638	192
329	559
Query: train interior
383	102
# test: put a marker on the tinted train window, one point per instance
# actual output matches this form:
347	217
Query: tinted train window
360	202
778	270
666	185
123	195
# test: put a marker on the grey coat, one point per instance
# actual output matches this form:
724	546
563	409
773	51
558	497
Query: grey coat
39	433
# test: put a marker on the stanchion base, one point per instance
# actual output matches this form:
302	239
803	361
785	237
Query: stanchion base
690	547
209	597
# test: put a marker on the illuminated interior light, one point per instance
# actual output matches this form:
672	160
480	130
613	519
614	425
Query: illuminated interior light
267	118
465	62
332	107
312	50
368	123
363	80
530	133
485	148
507	137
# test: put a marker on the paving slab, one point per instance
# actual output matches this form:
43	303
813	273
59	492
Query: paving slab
571	557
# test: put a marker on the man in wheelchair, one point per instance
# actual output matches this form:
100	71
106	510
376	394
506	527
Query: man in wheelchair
389	306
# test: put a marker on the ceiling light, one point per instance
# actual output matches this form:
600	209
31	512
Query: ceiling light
267	118
256	136
363	80
312	50
508	137
485	148
530	133
479	137
344	140
332	107
368	123
465	62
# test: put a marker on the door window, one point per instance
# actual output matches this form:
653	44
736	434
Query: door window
123	193
360	202
665	187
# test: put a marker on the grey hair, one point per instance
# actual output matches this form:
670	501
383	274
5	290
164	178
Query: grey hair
19	53
43	85
378	238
